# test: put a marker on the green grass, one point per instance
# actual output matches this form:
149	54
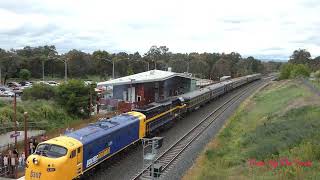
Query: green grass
265	129
42	114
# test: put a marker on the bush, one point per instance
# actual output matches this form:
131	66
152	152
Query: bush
294	70
24	74
39	91
74	96
42	114
300	70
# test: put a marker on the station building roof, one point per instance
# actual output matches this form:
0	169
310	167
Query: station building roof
144	77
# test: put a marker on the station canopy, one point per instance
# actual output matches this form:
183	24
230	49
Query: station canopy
144	77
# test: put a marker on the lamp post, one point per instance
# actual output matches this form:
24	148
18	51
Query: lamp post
112	61
15	118
42	70
65	61
65	70
25	115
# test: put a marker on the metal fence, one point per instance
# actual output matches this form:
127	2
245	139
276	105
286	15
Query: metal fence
11	165
9	126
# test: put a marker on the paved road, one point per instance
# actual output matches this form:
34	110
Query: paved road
128	166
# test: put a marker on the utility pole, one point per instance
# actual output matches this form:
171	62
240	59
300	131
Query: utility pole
26	144
15	118
112	69
0	77
42	70
90	107
65	70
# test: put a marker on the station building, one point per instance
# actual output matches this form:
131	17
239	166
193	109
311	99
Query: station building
147	87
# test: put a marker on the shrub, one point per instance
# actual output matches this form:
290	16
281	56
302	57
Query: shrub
24	74
74	97
294	70
300	70
39	91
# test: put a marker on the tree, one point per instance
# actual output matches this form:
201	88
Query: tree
9	64
24	74
285	70
300	56
102	63
300	70
294	70
222	68
79	64
74	96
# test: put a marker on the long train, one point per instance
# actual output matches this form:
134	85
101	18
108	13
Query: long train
73	154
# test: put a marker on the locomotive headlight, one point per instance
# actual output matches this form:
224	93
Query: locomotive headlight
35	161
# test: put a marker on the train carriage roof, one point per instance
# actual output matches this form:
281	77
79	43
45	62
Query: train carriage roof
196	93
103	128
215	86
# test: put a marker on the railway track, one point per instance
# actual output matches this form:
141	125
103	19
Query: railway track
169	156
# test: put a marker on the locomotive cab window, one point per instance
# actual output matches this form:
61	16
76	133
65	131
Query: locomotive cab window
73	154
51	150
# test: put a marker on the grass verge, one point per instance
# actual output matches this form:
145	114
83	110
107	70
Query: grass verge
273	135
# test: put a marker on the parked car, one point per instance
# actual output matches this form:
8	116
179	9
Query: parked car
25	83
88	82
13	84
17	90
8	94
53	83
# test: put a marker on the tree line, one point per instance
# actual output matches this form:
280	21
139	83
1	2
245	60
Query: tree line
300	64
100	63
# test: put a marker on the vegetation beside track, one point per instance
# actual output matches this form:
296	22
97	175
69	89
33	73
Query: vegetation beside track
273	135
42	114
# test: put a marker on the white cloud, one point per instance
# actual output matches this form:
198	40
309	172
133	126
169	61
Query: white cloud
268	28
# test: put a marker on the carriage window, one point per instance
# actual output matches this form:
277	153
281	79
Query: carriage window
73	154
79	150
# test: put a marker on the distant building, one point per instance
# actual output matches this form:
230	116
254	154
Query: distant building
150	86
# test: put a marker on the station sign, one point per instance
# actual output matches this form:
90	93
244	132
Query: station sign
15	135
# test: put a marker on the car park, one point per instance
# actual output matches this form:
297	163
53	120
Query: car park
6	92
13	84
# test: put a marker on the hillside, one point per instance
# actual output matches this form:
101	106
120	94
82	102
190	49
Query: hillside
273	135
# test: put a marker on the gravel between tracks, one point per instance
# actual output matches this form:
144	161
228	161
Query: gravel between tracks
128	166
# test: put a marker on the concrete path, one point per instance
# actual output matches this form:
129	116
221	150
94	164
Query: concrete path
5	138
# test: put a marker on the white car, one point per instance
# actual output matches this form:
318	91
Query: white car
53	83
6	94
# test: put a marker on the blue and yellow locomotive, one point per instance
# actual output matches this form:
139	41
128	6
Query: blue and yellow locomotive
69	156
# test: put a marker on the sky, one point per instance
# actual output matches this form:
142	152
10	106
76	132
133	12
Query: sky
265	29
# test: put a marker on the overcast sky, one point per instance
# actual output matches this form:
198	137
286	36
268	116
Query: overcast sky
262	28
